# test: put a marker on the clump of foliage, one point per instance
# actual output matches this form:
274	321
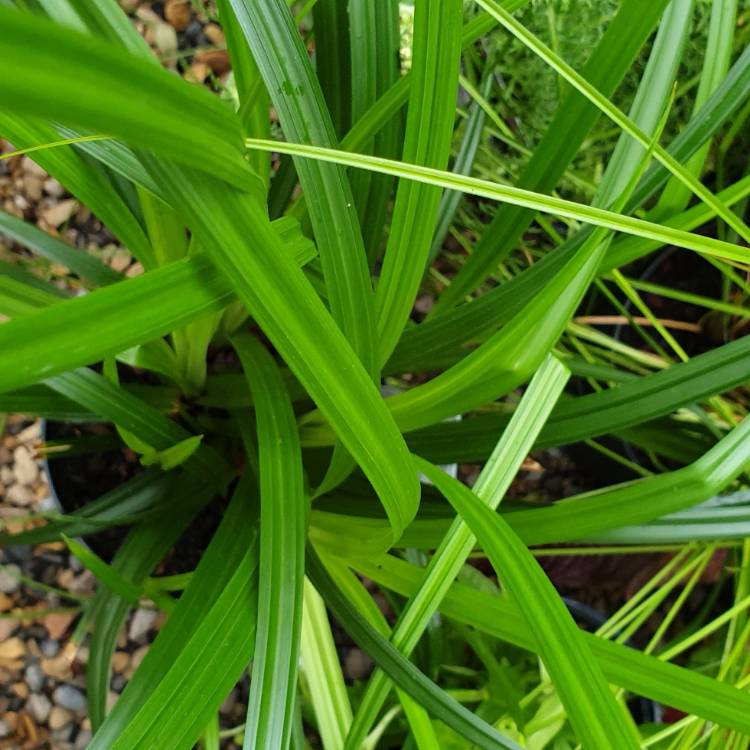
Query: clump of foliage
287	368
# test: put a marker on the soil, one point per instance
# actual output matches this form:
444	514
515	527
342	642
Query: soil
76	480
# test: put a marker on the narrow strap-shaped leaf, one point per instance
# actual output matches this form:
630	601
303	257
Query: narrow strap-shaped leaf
640	501
719	107
292	315
78	261
423	345
87	181
390	102
353	588
718	57
666	683
203	648
254	101
653	90
283	511
607	411
320	662
63	337
462	165
596	717
375	41
124	504
429	130
491	485
295	92
97	85
604	105
401	670
599	217
608	63
93	391
17	297
137	556
333	60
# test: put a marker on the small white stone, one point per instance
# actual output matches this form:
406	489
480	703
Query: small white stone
20	494
142	622
39	706
24	466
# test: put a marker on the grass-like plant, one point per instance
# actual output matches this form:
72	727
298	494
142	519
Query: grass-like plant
314	291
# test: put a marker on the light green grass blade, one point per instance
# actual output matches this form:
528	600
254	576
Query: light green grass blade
718	57
596	717
639	501
401	670
608	63
619	118
429	131
322	672
353	588
440	339
720	106
455	547
516	196
653	90
643	675
283	511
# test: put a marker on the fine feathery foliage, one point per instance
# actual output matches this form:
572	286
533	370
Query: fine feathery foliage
361	268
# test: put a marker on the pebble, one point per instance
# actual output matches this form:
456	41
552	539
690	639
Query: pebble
83	739
7	628
21	689
141	623
58	213
57	625
29	166
177	12
120	661
20	494
59	717
9	578
12	648
57	667
54	188
5	730
34	677
30	433
25	468
39	706
71	698
49	648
